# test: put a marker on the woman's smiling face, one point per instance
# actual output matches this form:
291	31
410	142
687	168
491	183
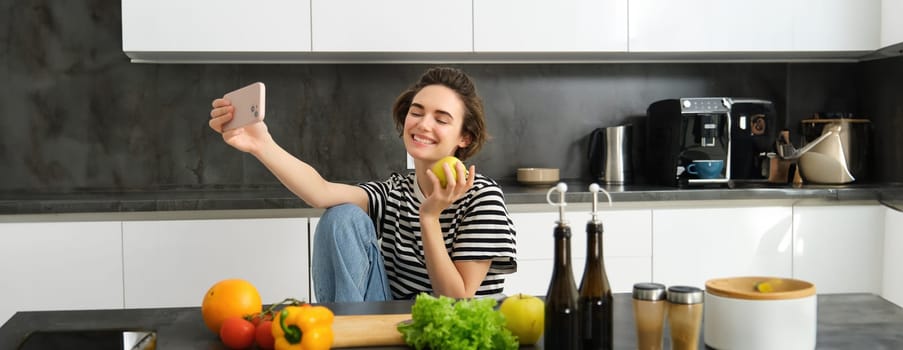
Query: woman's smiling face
432	127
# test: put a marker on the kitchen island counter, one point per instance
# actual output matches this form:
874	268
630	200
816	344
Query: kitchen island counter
275	198
845	321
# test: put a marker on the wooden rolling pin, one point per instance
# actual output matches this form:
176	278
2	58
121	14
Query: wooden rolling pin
367	330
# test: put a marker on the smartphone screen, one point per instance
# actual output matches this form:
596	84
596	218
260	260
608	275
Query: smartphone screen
249	103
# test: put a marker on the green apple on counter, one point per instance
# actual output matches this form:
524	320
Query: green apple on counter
524	317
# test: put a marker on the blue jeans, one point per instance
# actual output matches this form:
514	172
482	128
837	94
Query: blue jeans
346	263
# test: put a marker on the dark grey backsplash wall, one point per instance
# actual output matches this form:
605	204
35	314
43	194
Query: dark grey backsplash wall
77	115
881	88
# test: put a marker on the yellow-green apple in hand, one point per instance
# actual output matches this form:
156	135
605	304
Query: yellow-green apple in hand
437	169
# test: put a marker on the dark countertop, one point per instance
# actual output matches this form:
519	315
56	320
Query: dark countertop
277	197
845	321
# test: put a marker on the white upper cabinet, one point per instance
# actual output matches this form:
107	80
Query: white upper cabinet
891	26
550	25
327	31
215	26
836	25
710	25
750	26
392	26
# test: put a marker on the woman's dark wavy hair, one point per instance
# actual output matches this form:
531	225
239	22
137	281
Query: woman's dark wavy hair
474	125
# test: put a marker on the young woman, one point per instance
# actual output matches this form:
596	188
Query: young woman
396	238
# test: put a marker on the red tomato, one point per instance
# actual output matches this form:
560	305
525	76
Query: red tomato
237	333
265	335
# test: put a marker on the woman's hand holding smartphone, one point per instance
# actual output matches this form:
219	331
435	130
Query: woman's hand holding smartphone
246	105
249	103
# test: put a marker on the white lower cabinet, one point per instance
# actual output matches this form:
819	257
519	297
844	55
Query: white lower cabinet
60	266
310	240
691	246
174	263
839	248
627	243
892	289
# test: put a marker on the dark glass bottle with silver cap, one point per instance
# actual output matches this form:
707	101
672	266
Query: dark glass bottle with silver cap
562	323
596	306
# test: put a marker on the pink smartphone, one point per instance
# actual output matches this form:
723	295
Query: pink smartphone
249	105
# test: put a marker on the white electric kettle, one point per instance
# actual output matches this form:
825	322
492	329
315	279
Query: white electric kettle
830	158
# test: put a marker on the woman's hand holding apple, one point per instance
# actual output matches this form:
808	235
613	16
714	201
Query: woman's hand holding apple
444	194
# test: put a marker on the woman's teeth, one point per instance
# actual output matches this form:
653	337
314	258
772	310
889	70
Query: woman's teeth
423	140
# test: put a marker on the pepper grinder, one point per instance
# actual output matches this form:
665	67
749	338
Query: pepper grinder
685	316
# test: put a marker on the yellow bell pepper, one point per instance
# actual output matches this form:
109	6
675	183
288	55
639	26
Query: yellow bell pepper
303	327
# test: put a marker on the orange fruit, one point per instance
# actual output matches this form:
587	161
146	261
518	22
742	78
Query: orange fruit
229	298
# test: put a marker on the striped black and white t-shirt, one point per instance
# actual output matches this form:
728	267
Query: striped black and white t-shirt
475	227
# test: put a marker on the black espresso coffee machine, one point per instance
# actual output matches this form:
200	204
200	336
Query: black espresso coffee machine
728	136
